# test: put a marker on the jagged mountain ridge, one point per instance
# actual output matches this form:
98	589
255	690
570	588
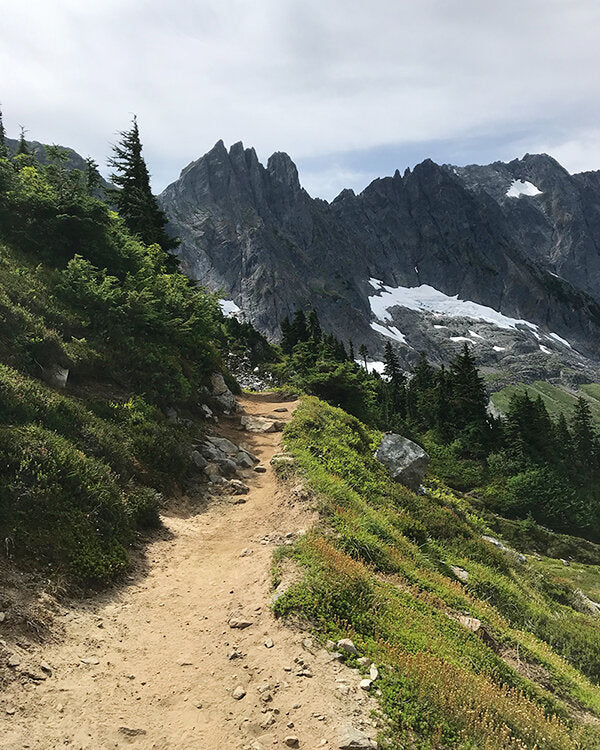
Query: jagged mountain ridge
254	233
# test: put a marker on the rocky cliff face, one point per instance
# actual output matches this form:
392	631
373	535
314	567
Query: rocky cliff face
506	256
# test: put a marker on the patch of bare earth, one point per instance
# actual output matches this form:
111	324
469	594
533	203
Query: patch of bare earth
157	664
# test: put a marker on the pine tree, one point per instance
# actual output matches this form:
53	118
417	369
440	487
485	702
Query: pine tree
3	146
468	391
93	181
23	148
134	201
363	353
287	340
585	441
351	350
391	367
314	327
299	327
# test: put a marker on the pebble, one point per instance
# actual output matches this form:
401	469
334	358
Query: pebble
238	693
11	711
366	684
260	469
373	672
2	616
269	643
246	552
292	741
345	644
239	622
13	661
90	660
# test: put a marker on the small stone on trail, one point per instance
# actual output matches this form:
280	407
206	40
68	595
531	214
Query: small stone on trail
292	741
239	622
11	711
345	644
366	684
280	409
269	643
2	616
45	667
373	672
90	660
246	552
260	469
131	732
13	661
364	661
238	693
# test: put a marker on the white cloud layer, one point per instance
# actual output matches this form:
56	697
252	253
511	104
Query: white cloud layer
320	80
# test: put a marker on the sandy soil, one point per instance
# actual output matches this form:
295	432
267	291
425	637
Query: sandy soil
149	665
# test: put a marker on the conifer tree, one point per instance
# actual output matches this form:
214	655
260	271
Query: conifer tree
3	146
391	367
287	342
299	327
314	327
134	201
363	353
468	391
351	350
23	148
585	442
93	181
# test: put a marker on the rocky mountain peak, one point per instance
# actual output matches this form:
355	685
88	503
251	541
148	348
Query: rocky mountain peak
282	169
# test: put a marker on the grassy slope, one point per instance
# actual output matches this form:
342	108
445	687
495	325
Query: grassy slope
377	571
556	399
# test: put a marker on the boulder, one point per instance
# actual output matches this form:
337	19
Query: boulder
199	461
260	424
221	394
352	739
345	644
406	461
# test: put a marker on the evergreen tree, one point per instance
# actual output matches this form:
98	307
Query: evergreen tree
93	181
391	367
134	201
363	353
314	327
23	148
287	338
351	350
3	146
585	442
469	399
299	327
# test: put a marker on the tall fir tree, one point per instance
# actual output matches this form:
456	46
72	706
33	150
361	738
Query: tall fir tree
23	147
314	327
134	200
3	146
299	327
287	339
363	353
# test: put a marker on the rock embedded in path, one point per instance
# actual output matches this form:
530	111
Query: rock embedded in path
260	469
235	487
352	739
252	423
406	461
292	741
238	693
129	732
280	410
239	622
269	643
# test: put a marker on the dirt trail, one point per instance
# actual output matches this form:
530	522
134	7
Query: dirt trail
159	672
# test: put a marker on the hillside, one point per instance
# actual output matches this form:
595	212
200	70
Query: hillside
181	572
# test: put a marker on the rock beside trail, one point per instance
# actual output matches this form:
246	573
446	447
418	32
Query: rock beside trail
261	424
406	461
352	739
345	644
221	394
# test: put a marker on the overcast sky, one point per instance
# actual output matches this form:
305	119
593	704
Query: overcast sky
350	89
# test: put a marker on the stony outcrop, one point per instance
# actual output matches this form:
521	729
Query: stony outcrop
406	461
253	232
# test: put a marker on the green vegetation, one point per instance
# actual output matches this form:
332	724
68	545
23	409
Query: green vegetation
83	469
377	570
556	399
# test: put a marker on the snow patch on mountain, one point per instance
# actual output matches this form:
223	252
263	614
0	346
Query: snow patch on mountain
425	298
522	187
229	308
390	331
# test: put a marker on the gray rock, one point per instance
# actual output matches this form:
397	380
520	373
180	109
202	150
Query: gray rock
235	487
373	673
56	376
280	409
252	423
365	684
238	693
198	460
260	469
224	445
345	644
460	573
363	662
221	394
353	739
291	741
406	461
239	622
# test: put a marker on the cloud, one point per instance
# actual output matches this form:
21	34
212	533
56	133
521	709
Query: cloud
325	81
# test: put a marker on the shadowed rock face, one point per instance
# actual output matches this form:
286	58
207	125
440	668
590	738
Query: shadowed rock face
406	461
254	233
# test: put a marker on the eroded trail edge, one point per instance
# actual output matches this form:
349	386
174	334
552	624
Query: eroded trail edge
159	665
